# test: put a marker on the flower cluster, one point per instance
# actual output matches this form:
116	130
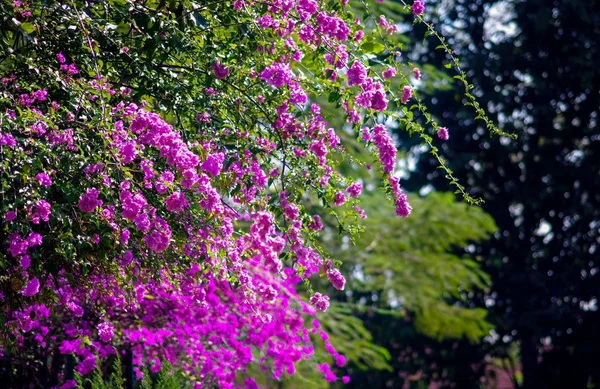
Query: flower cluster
178	227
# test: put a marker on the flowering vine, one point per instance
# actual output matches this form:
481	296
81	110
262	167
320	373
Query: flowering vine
164	174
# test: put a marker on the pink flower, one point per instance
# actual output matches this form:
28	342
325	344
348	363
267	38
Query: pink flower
277	74
32	288
88	202
176	202
41	210
157	241
60	58
357	74
337	279
354	189
220	70
105	332
340	199
346	379
214	164
417	73
389	73
406	94
418	7
321	302
387	149
10	216
443	134
44	179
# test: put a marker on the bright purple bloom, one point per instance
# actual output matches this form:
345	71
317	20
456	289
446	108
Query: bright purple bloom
105	332
213	164
389	72
337	279
387	149
277	74
176	202
418	7
32	288
88	202
41	210
44	179
10	216
34	239
443	134
340	199
354	189
357	74
417	73
220	70
320	301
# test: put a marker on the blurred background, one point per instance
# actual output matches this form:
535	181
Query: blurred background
504	295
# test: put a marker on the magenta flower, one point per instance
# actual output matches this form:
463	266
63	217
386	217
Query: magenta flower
44	179
320	301
220	70
357	74
336	278
389	73
443	134
417	73
10	216
340	199
41	211
277	74
105	332
418	7
88	202
354	189
176	202
213	164
406	94
32	288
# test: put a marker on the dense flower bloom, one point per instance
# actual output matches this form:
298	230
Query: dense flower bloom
357	74
277	74
88	202
340	199
105	332
10	216
443	134
176	202
387	149
213	164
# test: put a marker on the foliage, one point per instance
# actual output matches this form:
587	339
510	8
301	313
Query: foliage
410	282
166	378
164	177
533	64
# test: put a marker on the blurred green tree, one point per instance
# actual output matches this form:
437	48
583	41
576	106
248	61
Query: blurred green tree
535	66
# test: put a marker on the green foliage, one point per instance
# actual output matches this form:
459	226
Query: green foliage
411	263
167	378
